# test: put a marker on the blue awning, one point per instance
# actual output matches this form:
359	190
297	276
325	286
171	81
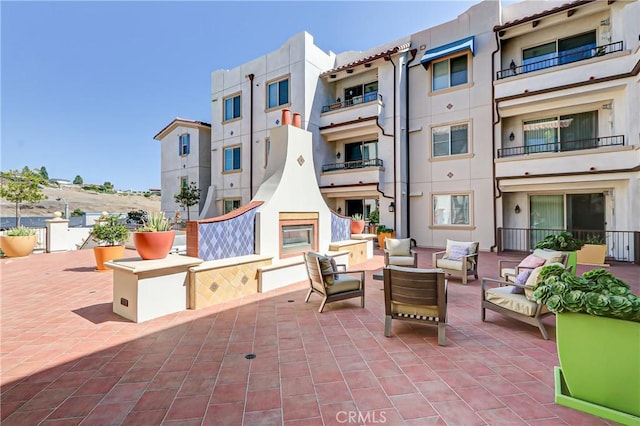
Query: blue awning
441	51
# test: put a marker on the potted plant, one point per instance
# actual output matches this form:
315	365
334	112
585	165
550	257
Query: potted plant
374	219
357	224
384	232
593	252
566	242
598	336
155	238
18	242
110	234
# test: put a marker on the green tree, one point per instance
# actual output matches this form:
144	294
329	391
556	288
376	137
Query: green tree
78	180
108	186
44	173
21	188
188	196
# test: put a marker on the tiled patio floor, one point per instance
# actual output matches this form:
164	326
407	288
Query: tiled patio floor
67	359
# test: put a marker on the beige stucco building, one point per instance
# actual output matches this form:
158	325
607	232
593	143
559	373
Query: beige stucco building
469	130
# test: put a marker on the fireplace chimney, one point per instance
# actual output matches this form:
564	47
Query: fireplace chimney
297	120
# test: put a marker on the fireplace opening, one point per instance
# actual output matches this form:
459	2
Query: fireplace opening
297	238
298	234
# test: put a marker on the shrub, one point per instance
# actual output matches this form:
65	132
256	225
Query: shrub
20	231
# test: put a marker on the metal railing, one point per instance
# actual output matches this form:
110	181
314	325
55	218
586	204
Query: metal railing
347	165
561	59
562	146
623	246
357	100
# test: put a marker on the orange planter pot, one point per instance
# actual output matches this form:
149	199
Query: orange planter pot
382	236
153	245
107	253
18	246
357	226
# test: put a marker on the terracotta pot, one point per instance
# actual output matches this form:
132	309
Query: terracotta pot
297	120
18	246
382	236
286	117
107	253
153	245
357	226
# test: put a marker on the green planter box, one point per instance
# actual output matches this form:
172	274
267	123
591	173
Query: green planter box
600	366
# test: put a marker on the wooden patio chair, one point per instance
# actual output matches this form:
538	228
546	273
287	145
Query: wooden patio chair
332	282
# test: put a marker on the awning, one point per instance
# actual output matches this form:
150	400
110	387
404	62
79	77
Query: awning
439	52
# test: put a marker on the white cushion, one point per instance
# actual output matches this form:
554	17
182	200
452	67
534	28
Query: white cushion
401	260
502	296
473	245
551	256
398	247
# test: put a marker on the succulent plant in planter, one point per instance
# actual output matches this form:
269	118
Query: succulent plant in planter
154	239
598	336
564	241
18	242
110	234
357	223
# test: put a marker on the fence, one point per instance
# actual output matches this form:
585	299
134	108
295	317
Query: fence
622	246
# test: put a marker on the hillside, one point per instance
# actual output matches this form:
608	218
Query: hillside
88	202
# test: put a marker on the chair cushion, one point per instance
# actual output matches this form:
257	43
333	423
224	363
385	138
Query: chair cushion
551	256
423	311
532	261
326	268
398	246
507	274
401	260
456	265
343	283
473	246
458	252
521	279
502	296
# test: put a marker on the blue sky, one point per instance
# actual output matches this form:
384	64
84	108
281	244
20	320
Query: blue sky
86	84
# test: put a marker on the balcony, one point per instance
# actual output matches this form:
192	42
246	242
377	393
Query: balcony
562	146
357	100
353	117
348	165
561	59
352	172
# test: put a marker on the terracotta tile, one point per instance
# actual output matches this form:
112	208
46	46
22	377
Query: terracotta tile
397	385
324	373
457	413
224	414
234	392
262	400
538	391
352	363
314	421
336	413
344	350
371	399
328	393
478	398
424	421
292	355
137	418
105	414
436	390
457	379
299	407
170	380
266	418
297	386
412	406
155	400
265	380
188	408
294	369
526	407
419	373
498	385
406	359
500	416
360	379
28	417
76	407
384	368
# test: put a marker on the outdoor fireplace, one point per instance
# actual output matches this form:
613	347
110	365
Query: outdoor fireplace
298	233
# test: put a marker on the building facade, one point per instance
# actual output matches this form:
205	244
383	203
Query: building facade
503	119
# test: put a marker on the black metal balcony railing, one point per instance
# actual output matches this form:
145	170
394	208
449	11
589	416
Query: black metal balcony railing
357	100
561	59
358	164
622	246
562	146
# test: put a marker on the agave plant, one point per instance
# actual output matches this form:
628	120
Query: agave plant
597	292
20	231
155	222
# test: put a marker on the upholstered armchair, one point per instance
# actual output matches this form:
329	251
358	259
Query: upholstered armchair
398	252
332	282
539	257
415	295
459	258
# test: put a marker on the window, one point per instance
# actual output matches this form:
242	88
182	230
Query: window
278	93
451	209
232	159
562	51
361	93
449	73
183	144
450	140
232	108
357	151
568	132
184	182
231	204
